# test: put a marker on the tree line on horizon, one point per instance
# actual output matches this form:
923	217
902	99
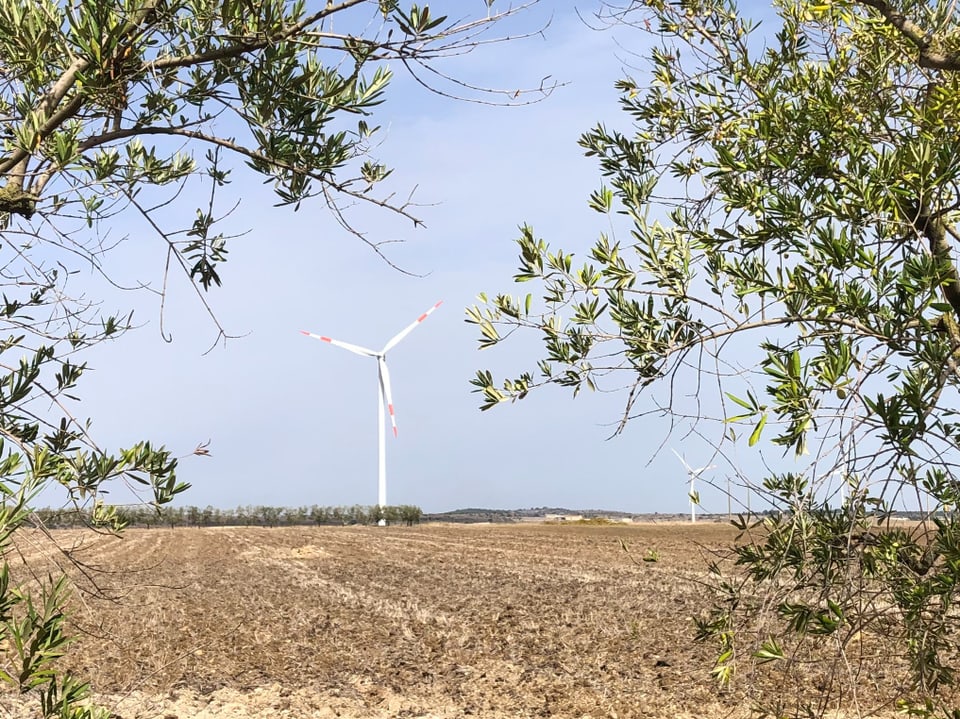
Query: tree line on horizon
242	516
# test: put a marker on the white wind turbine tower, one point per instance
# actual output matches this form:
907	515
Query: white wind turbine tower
692	474
384	396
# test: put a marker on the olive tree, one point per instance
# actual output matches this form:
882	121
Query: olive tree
115	109
778	273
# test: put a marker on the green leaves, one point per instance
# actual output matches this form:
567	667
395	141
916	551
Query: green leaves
35	633
38	638
601	200
754	408
417	22
769	651
512	389
755	435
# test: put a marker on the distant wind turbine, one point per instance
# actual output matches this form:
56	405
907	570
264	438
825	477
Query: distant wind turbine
843	483
692	474
384	396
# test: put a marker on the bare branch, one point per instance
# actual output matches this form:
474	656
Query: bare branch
929	56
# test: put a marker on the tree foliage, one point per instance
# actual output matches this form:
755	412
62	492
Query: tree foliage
780	274
114	109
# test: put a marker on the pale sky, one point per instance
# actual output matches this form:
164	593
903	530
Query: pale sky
292	421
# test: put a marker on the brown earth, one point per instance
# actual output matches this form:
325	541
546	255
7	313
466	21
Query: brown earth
365	622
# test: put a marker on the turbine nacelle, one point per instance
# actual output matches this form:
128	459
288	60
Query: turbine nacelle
692	474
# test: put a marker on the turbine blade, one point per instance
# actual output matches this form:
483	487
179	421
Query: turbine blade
407	330
385	391
685	465
356	349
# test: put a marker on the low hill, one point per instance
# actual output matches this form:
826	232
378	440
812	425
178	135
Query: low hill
476	514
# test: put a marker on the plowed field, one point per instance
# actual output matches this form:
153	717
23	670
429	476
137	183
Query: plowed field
363	622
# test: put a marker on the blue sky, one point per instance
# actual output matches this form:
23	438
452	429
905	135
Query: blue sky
292	421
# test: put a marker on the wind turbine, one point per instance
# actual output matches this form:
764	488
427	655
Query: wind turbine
843	482
693	474
384	396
